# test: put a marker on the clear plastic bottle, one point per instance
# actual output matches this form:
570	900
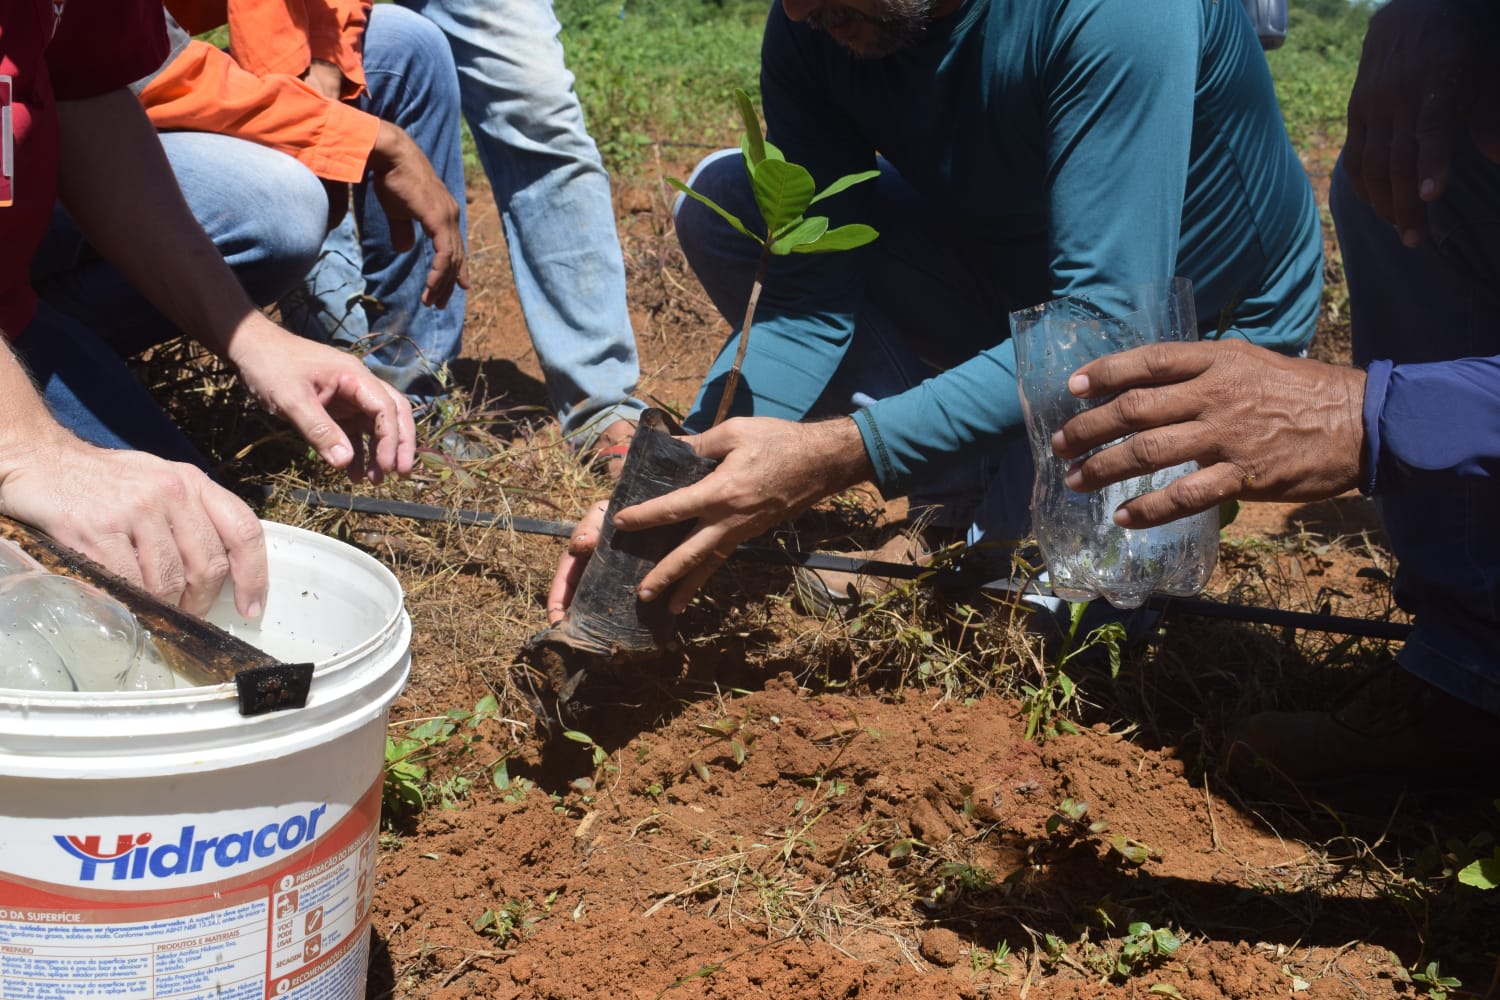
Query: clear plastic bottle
61	634
1087	554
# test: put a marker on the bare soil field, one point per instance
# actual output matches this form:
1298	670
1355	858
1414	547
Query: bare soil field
795	807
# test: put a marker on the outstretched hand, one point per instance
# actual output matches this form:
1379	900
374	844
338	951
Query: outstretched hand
1425	73
1260	425
355	421
769	470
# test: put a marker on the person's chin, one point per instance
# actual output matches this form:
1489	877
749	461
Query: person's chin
858	37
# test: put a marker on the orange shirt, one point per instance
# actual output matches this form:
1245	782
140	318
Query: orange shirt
253	92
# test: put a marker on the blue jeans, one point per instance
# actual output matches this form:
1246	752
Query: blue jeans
933	298
264	211
1437	302
362	294
554	202
91	391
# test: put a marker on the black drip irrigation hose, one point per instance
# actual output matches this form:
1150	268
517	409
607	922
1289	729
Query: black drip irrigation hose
773	555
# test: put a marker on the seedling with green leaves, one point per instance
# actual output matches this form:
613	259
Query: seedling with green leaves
987	960
783	192
407	789
587	785
1144	946
1047	704
735	733
1431	982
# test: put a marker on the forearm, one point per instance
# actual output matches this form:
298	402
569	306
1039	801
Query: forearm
960	412
118	186
844	460
26	426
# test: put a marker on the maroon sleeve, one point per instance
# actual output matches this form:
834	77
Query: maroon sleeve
103	45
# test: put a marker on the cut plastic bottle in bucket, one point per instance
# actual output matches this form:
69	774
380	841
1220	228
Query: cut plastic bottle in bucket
1087	554
163	844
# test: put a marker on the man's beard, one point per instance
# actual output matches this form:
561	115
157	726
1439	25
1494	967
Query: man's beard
900	23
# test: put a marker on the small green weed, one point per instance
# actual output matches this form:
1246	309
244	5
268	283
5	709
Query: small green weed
587	785
991	960
1144	946
1048	703
957	879
513	920
406	789
735	733
1068	825
1431	982
1482	872
1068	816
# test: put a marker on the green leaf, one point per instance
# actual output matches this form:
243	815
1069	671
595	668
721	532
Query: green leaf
722	213
844	183
803	233
903	848
578	737
1133	851
782	191
432	729
843	238
1482	874
754	145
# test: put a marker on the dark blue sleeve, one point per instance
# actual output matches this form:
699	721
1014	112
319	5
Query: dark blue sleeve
1431	423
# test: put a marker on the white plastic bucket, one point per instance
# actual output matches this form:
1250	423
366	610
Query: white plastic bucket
159	844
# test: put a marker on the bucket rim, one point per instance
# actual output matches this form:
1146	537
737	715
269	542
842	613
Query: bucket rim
203	694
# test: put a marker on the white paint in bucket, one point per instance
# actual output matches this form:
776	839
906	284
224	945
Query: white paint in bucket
158	844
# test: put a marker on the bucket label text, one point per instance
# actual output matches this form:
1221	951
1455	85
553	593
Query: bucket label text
140	856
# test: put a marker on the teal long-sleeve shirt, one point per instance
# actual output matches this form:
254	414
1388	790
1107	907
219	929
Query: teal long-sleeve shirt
1128	141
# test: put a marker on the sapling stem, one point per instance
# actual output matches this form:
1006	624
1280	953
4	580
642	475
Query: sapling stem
732	380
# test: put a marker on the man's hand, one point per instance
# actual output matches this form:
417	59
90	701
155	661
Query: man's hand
163	526
1426	71
411	191
581	545
353	419
1260	425
326	78
769	470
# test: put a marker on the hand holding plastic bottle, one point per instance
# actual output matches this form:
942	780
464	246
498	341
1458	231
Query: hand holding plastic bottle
1260	425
